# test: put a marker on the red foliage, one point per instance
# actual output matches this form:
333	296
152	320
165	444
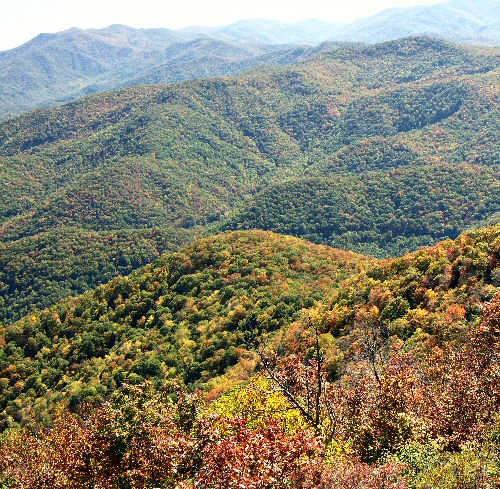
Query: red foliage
136	444
463	383
356	475
259	459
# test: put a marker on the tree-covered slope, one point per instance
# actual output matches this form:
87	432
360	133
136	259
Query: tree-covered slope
407	350
190	316
378	212
181	157
38	270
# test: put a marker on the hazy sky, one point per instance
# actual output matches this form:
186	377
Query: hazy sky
20	20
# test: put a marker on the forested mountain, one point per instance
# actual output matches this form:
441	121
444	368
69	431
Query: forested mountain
55	68
238	285
409	128
376	212
155	331
375	373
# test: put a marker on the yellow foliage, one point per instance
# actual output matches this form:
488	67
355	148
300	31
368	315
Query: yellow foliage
257	402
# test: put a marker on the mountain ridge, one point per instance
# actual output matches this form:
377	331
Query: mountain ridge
196	314
117	56
182	158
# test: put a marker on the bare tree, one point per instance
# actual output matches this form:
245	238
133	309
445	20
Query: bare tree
303	382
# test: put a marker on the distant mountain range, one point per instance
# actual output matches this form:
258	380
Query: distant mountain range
55	68
469	21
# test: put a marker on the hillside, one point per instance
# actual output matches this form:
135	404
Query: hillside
376	212
181	158
195	314
38	270
407	350
222	294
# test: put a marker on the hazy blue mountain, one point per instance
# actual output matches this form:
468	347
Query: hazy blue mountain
55	68
311	31
471	21
211	57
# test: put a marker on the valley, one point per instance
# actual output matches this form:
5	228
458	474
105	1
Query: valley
166	163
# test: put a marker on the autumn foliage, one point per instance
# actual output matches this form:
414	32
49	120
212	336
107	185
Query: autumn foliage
132	441
139	444
390	382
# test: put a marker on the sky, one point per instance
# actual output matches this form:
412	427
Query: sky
21	20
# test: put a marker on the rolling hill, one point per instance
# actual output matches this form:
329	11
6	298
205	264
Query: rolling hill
165	163
232	287
197	314
405	350
378	211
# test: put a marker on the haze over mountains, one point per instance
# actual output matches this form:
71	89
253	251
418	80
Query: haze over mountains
471	21
55	68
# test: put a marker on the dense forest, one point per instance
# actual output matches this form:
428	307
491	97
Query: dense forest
250	359
238	285
376	212
40	269
410	126
288	278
